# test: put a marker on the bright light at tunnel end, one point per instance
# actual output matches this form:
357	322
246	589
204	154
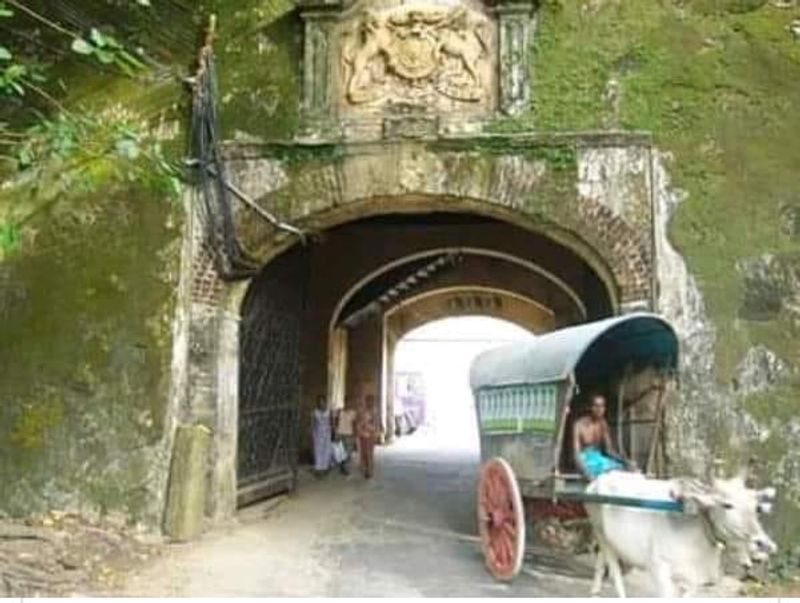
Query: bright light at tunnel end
440	353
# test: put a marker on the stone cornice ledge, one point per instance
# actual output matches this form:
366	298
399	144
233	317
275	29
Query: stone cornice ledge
515	141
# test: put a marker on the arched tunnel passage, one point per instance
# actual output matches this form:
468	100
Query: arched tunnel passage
313	320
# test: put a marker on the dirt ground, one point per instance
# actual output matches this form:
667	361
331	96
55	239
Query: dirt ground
62	555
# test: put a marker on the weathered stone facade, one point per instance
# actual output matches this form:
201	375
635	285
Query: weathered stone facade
589	195
396	99
716	251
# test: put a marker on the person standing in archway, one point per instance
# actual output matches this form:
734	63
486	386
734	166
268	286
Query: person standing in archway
345	429
322	436
367	432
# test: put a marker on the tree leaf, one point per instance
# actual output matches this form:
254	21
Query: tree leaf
81	46
5	54
132	60
104	56
15	72
143	2
5	12
111	42
97	38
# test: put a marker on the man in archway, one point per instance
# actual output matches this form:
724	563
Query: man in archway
367	432
592	445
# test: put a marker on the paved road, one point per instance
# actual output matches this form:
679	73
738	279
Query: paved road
412	533
407	532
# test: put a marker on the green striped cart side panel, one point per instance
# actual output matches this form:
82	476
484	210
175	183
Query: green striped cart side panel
518	409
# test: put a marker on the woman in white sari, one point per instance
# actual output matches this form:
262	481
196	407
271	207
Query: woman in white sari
322	434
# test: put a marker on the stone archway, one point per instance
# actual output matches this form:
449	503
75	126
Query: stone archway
590	194
578	207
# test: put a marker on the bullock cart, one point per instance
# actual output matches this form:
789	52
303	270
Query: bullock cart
527	397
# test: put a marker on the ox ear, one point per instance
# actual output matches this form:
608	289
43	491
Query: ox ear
766	494
694	495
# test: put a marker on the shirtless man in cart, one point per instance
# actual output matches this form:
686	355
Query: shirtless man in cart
594	451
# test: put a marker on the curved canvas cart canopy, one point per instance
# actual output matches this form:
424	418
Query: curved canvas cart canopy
593	350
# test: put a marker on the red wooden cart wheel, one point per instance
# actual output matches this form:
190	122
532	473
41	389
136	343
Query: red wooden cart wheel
501	519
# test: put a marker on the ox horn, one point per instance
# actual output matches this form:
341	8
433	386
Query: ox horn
765	508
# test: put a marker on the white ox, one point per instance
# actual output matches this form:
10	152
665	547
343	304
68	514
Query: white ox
680	551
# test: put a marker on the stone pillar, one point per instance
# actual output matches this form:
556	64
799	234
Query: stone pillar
318	18
184	517
209	396
515	25
222	502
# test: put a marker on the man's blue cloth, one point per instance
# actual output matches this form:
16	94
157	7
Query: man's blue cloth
597	463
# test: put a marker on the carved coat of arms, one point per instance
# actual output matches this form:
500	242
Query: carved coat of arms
409	52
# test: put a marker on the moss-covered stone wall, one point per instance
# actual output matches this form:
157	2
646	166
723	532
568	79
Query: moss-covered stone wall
717	85
86	309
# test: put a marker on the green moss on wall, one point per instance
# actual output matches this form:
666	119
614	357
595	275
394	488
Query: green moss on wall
34	422
86	311
259	56
717	91
559	157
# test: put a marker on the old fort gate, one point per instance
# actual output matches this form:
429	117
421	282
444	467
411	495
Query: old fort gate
402	202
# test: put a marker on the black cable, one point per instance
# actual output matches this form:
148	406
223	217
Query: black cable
231	260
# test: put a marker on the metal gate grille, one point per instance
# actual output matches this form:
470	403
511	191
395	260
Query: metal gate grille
270	366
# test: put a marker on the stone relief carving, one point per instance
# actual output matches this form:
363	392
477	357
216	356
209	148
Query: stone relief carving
413	53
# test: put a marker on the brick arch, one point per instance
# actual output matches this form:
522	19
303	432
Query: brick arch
511	188
425	308
602	239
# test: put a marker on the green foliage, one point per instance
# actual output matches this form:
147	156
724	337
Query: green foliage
78	142
785	565
80	153
9	239
108	51
12	79
54	151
